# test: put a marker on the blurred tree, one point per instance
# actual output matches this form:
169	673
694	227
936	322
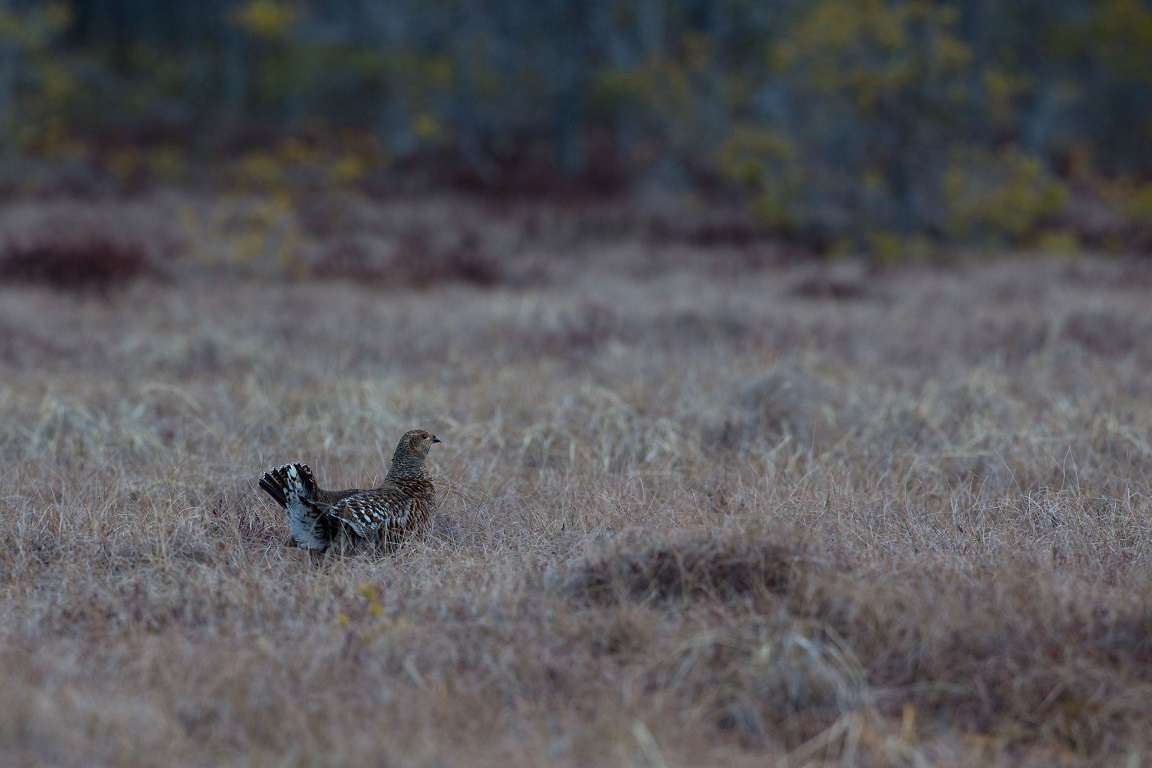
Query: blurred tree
863	120
886	87
34	86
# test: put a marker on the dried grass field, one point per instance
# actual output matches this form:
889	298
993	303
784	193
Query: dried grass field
701	504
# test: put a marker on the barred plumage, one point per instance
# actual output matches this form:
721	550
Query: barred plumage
323	521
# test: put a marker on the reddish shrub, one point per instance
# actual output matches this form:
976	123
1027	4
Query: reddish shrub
416	262
96	263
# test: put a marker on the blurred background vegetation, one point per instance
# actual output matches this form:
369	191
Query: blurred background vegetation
892	126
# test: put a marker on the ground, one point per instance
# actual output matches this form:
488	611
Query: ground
703	502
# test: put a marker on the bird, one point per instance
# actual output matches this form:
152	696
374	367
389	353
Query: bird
327	522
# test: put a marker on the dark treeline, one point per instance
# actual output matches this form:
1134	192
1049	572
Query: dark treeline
877	120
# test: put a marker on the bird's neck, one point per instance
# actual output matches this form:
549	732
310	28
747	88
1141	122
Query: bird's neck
406	466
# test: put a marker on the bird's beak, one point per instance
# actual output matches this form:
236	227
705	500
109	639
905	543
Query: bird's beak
435	439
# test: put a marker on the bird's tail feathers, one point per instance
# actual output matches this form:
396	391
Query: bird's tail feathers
289	483
294	488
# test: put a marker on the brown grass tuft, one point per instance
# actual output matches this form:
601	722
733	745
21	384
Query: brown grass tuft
704	569
417	259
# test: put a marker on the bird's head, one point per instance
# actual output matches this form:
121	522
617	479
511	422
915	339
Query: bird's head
418	441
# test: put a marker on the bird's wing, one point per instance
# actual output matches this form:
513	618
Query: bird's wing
329	498
367	512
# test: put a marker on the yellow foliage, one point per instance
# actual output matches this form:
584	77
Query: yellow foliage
279	206
1058	242
1131	197
884	245
697	51
251	234
50	138
749	154
10	24
124	163
347	170
871	47
268	19
426	127
57	83
1002	88
57	15
1124	31
368	591
666	84
32	29
249	246
260	169
1138	204
766	162
47	84
997	195
440	72
294	150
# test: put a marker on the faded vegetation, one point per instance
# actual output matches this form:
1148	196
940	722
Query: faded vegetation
701	505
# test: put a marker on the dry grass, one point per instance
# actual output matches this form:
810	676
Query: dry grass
689	518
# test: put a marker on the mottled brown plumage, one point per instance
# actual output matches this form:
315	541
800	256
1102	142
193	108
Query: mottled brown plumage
345	521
